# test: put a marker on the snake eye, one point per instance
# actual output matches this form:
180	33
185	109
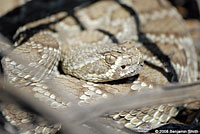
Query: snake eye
110	58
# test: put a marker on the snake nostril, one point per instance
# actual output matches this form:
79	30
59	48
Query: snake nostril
123	66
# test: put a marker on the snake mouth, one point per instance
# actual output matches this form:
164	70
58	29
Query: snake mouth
125	66
130	70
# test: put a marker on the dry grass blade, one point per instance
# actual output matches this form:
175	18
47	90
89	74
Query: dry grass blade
175	94
11	94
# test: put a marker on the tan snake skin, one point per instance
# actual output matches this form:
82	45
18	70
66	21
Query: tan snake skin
152	28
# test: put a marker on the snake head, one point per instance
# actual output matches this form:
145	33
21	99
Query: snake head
123	61
107	63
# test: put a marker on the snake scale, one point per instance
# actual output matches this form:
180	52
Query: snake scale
144	40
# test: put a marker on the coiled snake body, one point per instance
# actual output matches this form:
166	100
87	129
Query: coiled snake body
111	40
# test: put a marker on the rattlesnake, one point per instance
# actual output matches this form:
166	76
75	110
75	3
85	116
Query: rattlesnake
104	41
